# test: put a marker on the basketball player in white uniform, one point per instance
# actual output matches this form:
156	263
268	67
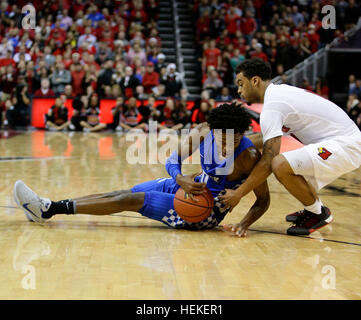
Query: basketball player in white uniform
332	145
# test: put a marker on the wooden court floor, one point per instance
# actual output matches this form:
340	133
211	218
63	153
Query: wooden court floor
131	257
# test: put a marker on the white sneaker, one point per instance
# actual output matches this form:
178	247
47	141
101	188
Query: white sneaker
30	202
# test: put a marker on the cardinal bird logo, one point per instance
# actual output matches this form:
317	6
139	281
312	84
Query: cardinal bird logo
324	153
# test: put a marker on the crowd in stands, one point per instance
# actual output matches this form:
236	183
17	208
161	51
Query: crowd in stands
90	50
282	32
353	107
85	49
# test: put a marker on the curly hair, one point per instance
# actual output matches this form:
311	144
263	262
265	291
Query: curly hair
229	116
255	67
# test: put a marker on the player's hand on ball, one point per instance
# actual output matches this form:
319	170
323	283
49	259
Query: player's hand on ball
230	199
235	229
189	186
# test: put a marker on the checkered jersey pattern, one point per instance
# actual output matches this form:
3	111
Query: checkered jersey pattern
218	213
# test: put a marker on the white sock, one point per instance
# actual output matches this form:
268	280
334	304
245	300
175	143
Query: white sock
315	208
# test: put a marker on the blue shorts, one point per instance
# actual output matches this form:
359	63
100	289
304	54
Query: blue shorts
158	205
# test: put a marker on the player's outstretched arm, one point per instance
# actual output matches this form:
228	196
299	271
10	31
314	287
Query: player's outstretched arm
259	174
249	160
257	140
174	162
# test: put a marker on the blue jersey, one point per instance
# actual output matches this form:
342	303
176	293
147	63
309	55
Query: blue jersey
159	193
214	170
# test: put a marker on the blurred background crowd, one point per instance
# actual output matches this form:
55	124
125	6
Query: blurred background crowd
91	50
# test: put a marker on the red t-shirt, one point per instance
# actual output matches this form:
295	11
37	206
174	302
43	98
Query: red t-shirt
211	56
231	23
77	80
149	81
248	25
5	62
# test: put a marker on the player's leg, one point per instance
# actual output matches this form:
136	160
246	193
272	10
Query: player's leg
290	169
295	184
108	205
39	209
103	195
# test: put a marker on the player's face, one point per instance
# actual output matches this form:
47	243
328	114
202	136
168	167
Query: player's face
247	88
227	142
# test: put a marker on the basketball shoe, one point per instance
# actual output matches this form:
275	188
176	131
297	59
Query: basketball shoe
295	217
309	222
30	202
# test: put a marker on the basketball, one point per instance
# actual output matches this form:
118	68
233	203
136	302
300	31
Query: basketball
190	210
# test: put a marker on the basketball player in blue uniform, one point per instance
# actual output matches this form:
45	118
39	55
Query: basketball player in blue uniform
224	165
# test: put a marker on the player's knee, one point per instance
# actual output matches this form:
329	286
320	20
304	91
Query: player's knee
280	166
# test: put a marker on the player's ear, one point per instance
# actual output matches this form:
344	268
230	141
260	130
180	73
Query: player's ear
255	81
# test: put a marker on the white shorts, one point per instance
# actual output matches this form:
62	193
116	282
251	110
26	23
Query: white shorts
323	162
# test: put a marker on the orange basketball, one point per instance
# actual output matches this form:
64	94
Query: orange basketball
192	211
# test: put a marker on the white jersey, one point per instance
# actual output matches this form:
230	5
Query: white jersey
307	116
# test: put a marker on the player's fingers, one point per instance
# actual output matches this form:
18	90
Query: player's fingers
195	191
196	174
228	228
193	197
197	188
199	184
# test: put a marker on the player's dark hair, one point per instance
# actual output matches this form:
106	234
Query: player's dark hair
229	116
255	67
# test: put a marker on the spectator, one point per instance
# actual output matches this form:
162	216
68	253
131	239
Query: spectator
199	115
322	88
57	117
48	57
90	79
5	47
7	59
356	90
248	26
105	77
232	20
92	123
136	52
258	53
150	78
68	92
60	78
45	90
173	118
297	17
22	52
140	93
306	85
351	83
172	81
150	112
87	36
129	83
117	112
8	79
213	83
159	91
224	96
18	112
77	76
79	109
212	56
130	118
354	108
236	59
160	62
